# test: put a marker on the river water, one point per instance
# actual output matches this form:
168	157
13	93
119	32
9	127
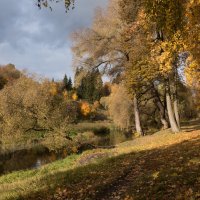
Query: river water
36	157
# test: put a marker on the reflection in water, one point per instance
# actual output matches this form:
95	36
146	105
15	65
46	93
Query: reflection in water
28	159
36	157
38	164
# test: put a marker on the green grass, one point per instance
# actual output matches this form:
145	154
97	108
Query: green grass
22	182
153	166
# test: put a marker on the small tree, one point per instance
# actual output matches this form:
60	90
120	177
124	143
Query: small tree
65	83
69	84
120	107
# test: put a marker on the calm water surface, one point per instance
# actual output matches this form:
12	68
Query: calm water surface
38	156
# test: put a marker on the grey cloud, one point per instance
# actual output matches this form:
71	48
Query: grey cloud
39	39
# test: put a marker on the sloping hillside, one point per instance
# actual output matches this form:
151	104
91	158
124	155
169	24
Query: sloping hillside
161	166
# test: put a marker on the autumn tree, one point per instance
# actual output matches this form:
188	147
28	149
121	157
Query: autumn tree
105	51
8	73
161	23
120	107
143	42
192	38
31	106
110	50
191	32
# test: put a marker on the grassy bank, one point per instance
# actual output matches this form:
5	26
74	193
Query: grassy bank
155	166
54	140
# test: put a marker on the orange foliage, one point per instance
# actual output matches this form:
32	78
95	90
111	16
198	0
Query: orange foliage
85	109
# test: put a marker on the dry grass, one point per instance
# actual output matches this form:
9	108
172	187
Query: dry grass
159	139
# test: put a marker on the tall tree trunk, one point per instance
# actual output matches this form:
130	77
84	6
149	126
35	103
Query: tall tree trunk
137	117
161	108
176	112
172	119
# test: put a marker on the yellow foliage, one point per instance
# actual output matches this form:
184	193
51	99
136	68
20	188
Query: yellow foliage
75	97
120	107
192	33
85	109
166	53
53	89
65	95
192	73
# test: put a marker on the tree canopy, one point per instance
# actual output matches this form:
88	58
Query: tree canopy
145	43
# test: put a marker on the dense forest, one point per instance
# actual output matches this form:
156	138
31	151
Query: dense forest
137	75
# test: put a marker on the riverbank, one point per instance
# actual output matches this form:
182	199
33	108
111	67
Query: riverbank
52	147
53	140
132	169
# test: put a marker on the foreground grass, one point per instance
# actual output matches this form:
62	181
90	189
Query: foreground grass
153	167
15	184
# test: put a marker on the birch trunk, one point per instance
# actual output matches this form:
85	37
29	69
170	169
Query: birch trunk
176	112
137	117
170	111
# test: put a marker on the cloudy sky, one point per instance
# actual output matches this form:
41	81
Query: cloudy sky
39	40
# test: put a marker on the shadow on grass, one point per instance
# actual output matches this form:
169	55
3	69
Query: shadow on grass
167	173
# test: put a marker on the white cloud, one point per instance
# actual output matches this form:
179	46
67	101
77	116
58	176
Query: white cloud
55	61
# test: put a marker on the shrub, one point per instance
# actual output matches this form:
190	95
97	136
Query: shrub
85	109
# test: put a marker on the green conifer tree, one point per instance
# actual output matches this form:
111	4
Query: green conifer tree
91	85
65	83
69	84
